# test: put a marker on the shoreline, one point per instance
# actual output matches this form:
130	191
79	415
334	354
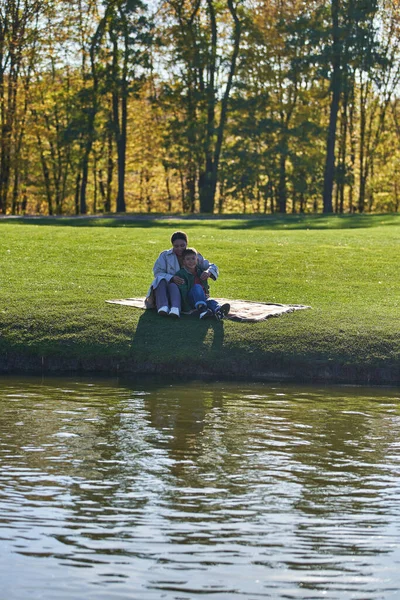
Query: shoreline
321	371
54	318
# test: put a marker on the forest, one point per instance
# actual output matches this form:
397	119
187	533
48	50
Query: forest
199	106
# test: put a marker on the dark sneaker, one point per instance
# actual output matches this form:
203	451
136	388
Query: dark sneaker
222	311
206	314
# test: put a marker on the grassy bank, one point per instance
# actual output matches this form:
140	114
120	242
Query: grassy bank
55	275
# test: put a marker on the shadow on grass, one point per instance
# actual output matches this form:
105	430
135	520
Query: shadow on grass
160	340
285	222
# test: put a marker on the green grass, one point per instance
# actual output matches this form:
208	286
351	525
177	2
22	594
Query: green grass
55	275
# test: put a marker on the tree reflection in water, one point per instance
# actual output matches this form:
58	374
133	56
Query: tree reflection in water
267	489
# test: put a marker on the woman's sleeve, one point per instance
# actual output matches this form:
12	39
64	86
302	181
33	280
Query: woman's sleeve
207	266
160	269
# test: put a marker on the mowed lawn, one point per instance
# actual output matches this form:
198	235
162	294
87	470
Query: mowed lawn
55	276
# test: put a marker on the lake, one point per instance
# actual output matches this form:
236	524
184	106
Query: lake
118	489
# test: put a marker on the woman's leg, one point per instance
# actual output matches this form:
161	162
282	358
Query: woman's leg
175	300
161	295
197	296
174	295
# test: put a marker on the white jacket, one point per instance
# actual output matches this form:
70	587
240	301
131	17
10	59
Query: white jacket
167	265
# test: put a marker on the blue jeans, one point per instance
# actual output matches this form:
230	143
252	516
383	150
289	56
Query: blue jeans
197	296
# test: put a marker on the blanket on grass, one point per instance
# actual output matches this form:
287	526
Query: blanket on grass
241	310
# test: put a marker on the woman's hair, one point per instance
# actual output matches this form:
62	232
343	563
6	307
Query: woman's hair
179	235
188	251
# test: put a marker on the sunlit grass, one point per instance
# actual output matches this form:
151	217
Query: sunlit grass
54	281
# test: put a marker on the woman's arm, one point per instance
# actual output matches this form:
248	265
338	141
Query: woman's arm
160	268
209	269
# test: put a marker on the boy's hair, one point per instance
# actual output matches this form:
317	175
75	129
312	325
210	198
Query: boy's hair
179	235
188	251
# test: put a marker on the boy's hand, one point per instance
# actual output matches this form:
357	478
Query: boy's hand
205	275
178	280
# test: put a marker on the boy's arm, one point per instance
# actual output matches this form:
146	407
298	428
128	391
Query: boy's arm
204	281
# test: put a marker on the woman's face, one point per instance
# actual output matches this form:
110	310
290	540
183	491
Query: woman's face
179	246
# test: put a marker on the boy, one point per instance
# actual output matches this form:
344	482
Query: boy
195	291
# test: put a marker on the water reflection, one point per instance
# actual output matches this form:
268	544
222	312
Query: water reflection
120	490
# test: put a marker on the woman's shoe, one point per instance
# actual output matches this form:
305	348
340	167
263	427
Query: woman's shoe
163	311
174	312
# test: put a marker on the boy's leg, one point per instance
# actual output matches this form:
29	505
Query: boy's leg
207	310
213	305
197	297
221	311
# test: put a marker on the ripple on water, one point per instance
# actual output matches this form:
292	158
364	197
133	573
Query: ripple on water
112	491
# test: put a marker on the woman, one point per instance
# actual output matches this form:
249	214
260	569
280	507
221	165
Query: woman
164	291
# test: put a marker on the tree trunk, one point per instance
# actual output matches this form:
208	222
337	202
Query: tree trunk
221	197
121	153
120	127
46	175
95	184
14	209
352	153
282	191
208	185
206	189
362	166
182	186
77	192
8	118
110	172
84	180
119	116
336	83
190	184
371	191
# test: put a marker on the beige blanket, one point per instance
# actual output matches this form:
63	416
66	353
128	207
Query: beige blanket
241	310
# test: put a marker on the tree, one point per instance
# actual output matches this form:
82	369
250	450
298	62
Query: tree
202	75
376	86
353	48
18	31
121	42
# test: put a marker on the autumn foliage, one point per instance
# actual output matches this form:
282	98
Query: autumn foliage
211	106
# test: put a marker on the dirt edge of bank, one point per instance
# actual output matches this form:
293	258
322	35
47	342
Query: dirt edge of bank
319	371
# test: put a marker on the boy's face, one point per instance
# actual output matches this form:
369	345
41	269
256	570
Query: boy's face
190	261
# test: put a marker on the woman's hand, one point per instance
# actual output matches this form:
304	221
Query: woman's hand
205	275
178	280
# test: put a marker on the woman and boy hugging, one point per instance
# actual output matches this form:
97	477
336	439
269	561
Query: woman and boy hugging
181	282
